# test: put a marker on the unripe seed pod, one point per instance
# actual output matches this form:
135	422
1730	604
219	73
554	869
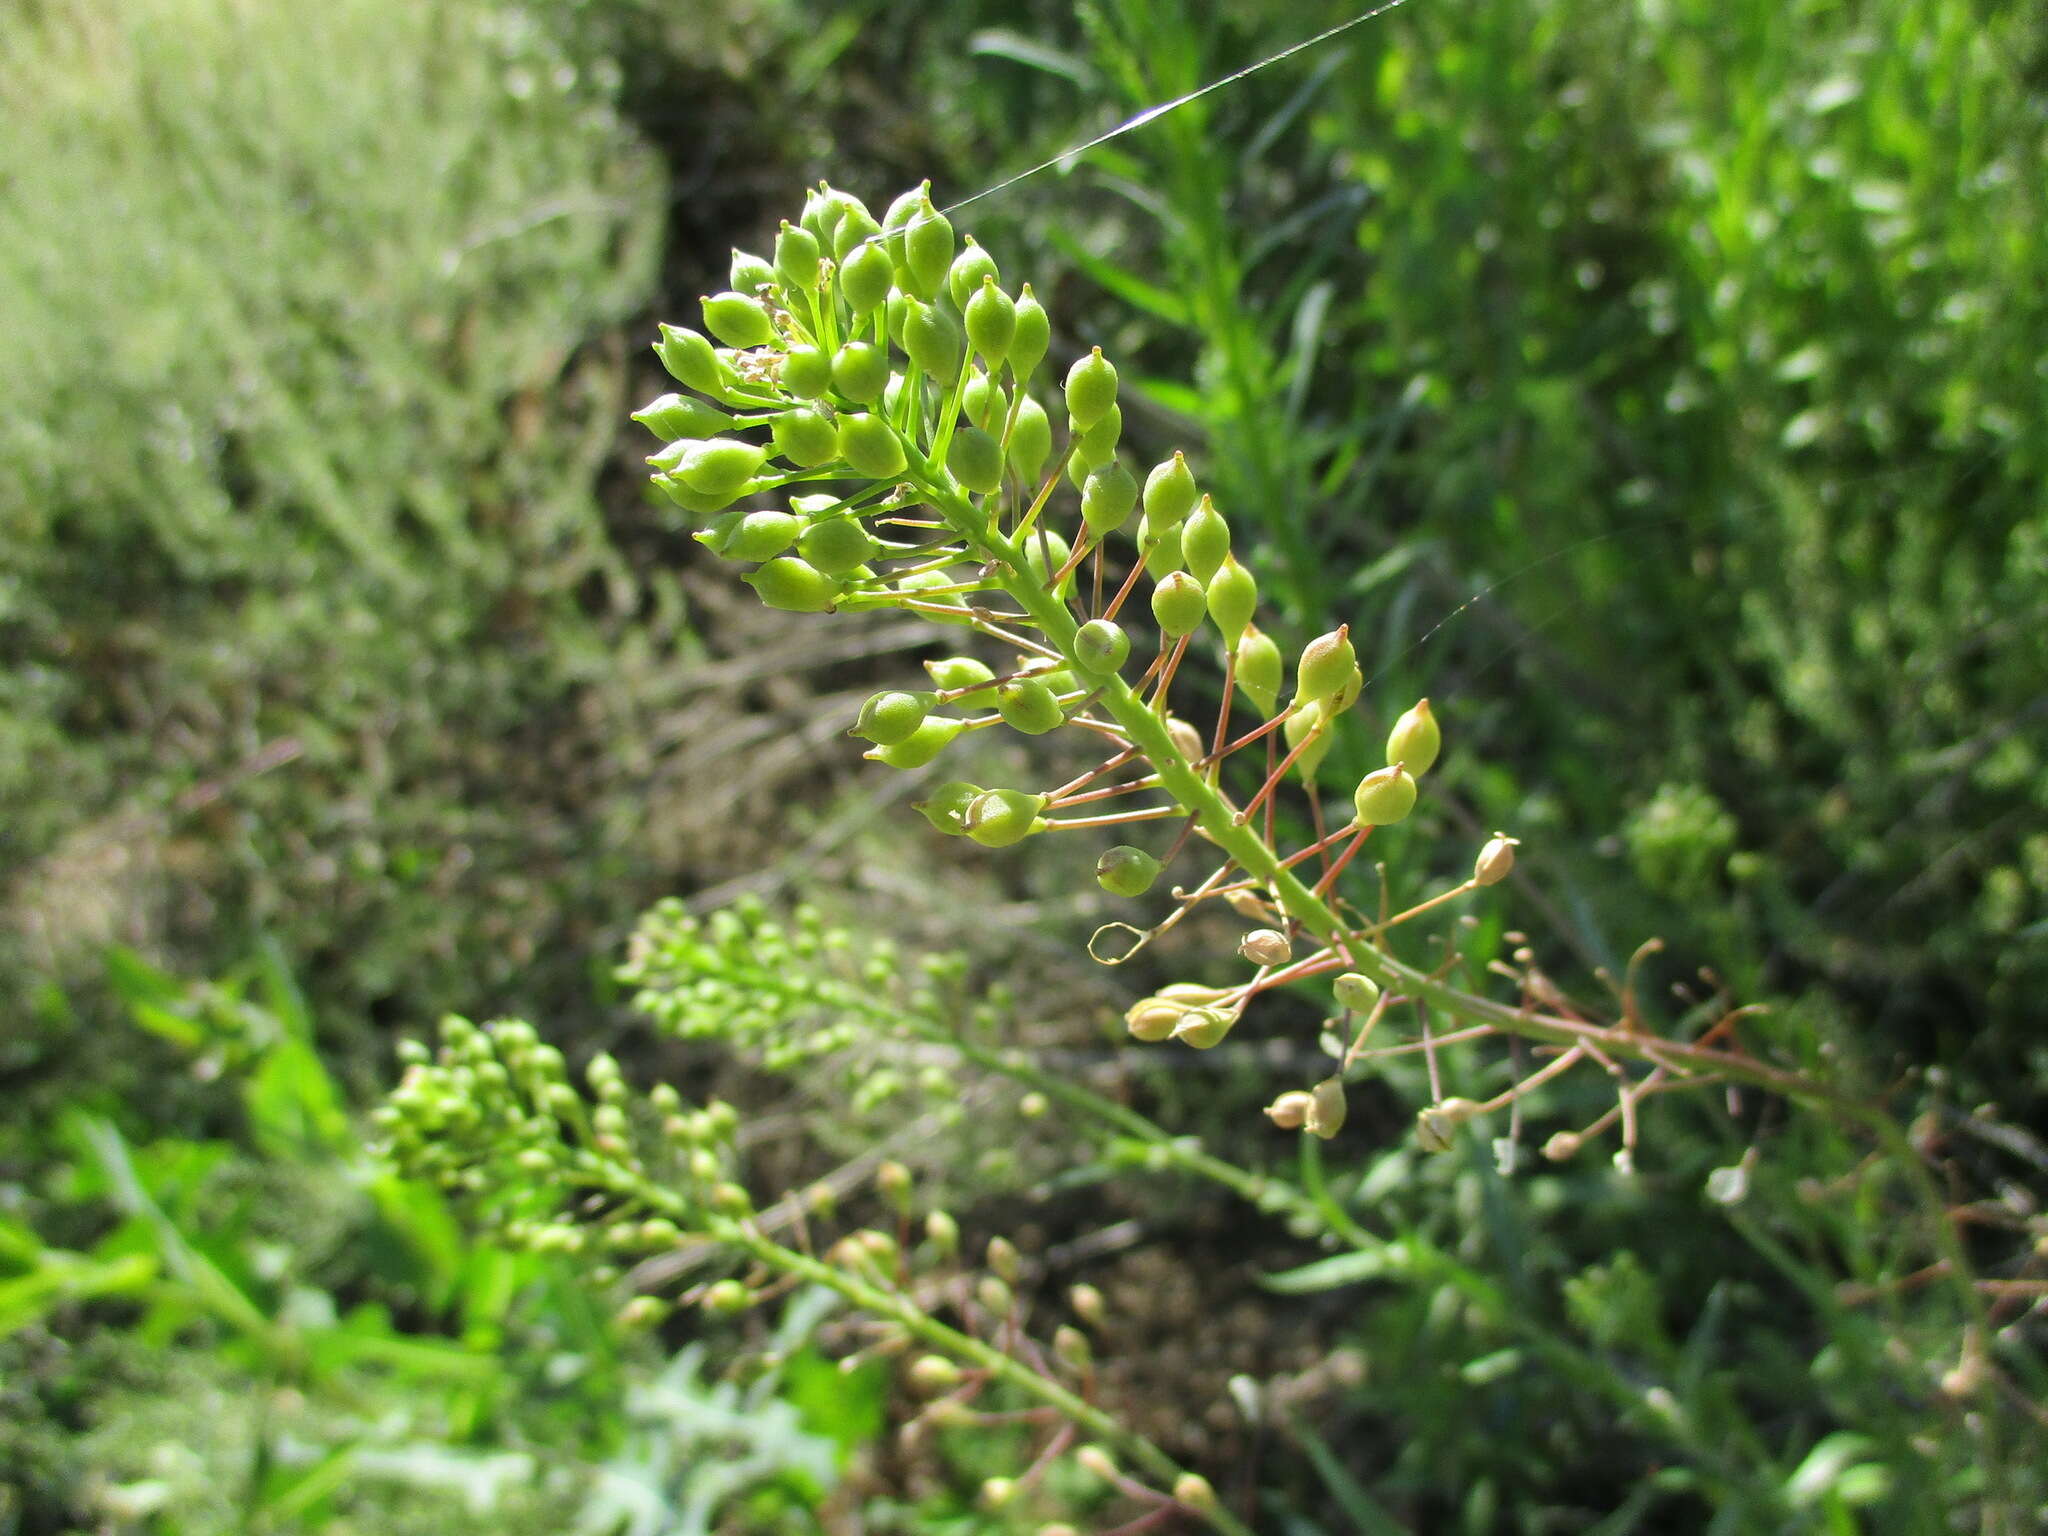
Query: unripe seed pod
690	358
1415	739
1205	541
1095	446
725	1297
928	250
1495	860
1097	1461
921	745
761	536
1326	1109
897	216
1126	871
750	274
1088	1305
860	372
870	446
1033	335
931	1375
991	321
1355	991
1266	946
794	586
1191	1490
892	1179
1179	604
738	321
975	459
1091	389
983	403
1107	498
1204	1028
821	213
1170	492
1029	706
933	339
932	582
1159	547
1004	1259
890	717
1044	553
1384	796
675	417
1259	669
694	502
1101	647
804	437
835	545
1152	1019
996	1492
1233	599
1033	1105
946	807
999	818
994	1295
796	256
970	269
943	1233
1290	1110
865	275
1307	729
857	232
1326	666
1030	441
805	372
950	673
720	466
1435	1126
1070	1348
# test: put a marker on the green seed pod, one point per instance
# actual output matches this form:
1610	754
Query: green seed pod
991	320
1307	729
975	459
933	1375
1126	871
796	256
1204	1028
930	581
870	446
691	359
1384	796
794	586
951	673
1029	706
750	274
897	216
946	807
1496	860
996	1492
1004	1259
934	342
983	403
928	250
1355	991
1030	441
720	466
922	745
1290	1110
835	545
857	232
806	372
1108	497
1179	605
723	1298
738	321
1233	599
1170	492
1033	336
1091	390
1259	669
664	460
1159	547
1070	1348
1101	647
762	536
1205	541
1191	1490
994	1295
821	214
1044	553
865	276
1415	740
1152	1019
804	437
860	372
1096	446
675	417
719	534
1326	1108
1326	667
943	1233
970	269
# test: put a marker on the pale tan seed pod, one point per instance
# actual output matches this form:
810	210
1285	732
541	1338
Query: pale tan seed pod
931	1375
994	1296
1326	1108
1290	1110
1192	1491
997	1491
1435	1125
893	1180
1251	907
1187	741
1087	1304
1070	1348
1266	946
1192	995
1094	1459
1495	860
1004	1259
1563	1146
1151	1019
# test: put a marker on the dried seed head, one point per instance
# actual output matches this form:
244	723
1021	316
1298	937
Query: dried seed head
1101	647
1179	604
1091	390
1495	860
1326	1108
738	320
1356	992
1205	541
795	586
1384	797
1415	739
1266	946
946	806
1435	1125
1259	668
1170	492
932	1375
1126	871
998	818
1187	741
1327	666
1290	1110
